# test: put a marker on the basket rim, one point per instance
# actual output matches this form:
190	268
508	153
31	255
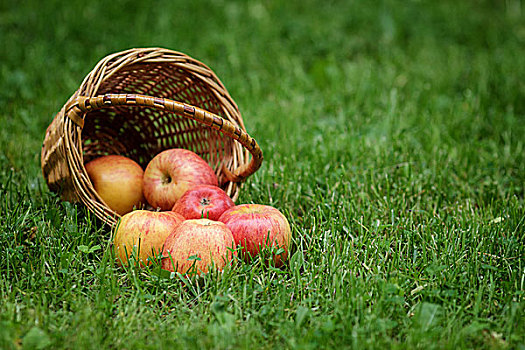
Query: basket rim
78	108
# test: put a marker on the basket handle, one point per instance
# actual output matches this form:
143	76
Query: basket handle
76	109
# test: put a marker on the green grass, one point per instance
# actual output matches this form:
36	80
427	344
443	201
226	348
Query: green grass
393	135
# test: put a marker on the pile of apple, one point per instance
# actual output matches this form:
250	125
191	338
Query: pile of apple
191	224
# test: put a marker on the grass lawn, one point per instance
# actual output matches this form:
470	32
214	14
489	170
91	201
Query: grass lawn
393	136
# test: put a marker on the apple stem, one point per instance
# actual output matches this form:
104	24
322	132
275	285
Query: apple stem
166	179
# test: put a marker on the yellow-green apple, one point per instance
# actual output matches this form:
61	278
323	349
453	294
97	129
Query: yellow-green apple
203	201
196	245
171	173
118	180
256	226
142	233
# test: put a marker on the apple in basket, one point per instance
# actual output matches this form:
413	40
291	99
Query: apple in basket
141	234
118	180
196	245
171	173
257	226
203	201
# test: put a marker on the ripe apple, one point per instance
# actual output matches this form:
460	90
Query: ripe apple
256	226
203	201
171	173
145	232
118	181
197	244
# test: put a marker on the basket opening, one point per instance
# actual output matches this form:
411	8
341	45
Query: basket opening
140	133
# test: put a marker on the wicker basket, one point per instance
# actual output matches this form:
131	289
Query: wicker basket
138	103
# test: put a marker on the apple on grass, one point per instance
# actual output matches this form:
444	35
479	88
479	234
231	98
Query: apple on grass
171	173
203	201
256	227
142	234
118	180
196	245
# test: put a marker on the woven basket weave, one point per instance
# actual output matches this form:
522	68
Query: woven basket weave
138	103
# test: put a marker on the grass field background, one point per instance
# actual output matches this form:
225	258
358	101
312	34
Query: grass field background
393	136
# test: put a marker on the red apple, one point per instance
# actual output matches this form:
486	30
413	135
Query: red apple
256	226
197	244
203	201
145	232
118	181
171	173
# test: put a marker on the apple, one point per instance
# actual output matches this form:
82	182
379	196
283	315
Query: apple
203	201
144	232
196	244
171	173
256	226
118	180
